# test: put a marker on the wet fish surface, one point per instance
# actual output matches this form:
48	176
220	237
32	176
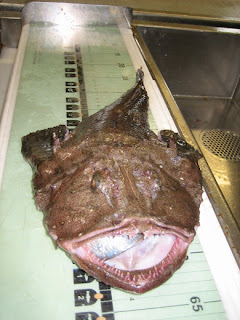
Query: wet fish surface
122	202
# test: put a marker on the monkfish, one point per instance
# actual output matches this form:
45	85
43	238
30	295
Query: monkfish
120	200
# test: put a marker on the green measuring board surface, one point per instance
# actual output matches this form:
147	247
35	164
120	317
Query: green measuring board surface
66	77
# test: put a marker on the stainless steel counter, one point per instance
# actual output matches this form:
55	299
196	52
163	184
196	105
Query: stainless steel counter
197	68
228	10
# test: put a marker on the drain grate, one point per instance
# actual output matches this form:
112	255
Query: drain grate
222	143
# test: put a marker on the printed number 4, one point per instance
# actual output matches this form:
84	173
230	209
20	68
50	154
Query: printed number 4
196	307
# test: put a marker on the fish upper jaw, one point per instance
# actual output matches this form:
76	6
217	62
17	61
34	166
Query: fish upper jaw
136	256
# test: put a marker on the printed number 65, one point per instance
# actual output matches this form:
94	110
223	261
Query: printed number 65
196	307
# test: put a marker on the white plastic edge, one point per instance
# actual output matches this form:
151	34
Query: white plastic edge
221	261
8	110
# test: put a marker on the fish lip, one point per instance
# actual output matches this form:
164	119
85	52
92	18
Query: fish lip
138	225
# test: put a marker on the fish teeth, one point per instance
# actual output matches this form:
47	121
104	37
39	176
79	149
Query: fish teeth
127	277
149	275
144	276
108	267
140	278
112	269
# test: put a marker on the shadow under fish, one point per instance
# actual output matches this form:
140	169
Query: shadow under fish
120	200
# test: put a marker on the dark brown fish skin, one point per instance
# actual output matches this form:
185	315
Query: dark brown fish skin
113	169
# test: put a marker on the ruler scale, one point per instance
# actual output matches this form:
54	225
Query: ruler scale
64	79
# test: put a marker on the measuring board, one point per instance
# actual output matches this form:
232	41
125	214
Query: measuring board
67	75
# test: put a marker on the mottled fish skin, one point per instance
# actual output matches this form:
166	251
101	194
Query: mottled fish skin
114	177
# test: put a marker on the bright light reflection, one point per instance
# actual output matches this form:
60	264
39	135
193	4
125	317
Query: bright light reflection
66	32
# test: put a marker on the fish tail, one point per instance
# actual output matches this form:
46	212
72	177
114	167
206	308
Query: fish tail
139	74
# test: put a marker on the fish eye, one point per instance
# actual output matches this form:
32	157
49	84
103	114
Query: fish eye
96	180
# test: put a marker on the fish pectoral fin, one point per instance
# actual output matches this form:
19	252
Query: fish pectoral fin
184	149
40	145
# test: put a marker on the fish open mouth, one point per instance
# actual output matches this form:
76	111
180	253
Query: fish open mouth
135	259
145	254
129	253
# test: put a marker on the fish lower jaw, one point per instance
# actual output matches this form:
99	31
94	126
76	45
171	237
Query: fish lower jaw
137	274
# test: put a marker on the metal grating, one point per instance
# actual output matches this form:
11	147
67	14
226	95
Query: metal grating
223	143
